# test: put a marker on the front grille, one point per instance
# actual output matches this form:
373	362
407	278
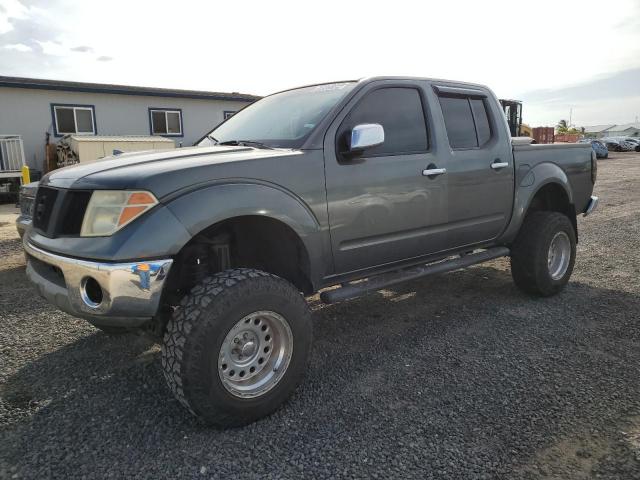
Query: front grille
59	212
72	212
43	207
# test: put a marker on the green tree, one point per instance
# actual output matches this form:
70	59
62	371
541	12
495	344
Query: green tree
562	127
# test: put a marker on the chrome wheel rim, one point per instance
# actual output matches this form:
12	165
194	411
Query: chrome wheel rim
255	354
559	255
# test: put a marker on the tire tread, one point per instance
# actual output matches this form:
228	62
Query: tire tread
183	337
529	253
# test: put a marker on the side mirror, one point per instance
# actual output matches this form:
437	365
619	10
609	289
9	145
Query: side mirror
366	135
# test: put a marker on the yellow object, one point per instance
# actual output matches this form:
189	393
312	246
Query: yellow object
525	130
26	175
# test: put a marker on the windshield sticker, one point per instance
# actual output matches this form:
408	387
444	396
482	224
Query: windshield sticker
329	87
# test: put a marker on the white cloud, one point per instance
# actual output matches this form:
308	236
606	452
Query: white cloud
261	47
18	47
10	9
53	48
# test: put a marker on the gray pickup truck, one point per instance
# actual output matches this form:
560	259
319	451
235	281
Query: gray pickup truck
215	247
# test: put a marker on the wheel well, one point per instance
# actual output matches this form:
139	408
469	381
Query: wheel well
553	197
249	241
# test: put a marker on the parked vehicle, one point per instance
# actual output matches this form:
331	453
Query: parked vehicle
617	145
634	141
213	248
27	197
598	147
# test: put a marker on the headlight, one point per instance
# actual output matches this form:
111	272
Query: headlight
110	210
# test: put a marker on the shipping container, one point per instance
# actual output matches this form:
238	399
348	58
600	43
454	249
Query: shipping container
543	134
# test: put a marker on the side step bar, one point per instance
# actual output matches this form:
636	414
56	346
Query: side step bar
353	290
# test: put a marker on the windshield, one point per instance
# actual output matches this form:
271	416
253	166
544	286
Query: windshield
282	120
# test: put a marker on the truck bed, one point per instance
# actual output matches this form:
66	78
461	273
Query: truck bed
574	159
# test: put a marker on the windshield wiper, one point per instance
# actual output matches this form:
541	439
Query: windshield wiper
213	139
246	143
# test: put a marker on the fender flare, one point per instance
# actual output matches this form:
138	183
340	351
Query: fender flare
200	209
529	182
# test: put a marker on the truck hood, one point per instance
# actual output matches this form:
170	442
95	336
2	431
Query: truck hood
164	172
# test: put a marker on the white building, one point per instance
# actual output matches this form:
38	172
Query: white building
32	108
598	131
626	130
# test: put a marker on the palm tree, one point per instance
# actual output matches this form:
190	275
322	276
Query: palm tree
562	127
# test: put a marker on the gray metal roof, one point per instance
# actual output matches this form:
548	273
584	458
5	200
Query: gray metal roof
44	84
626	126
597	128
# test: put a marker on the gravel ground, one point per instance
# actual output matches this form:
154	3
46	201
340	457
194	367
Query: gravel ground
459	376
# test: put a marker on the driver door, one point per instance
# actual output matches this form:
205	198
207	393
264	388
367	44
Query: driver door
382	209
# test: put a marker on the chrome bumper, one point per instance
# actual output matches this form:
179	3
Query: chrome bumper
130	292
23	224
591	206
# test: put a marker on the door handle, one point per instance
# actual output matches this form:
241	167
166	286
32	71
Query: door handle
433	172
497	164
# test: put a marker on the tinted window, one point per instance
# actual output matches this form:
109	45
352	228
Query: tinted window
85	120
159	122
73	119
458	120
66	120
399	111
482	120
173	122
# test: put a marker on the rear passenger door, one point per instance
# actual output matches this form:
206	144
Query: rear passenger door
480	171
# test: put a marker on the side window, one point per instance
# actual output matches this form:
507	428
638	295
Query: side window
483	128
458	120
466	121
399	111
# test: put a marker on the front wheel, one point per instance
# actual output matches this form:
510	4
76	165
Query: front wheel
543	255
237	346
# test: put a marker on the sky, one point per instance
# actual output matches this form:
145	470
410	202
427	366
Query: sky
556	57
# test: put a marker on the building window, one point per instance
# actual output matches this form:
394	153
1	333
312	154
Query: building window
228	114
77	119
165	122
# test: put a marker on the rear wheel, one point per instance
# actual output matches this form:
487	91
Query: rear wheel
543	255
237	346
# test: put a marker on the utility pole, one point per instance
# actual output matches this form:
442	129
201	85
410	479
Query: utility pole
570	116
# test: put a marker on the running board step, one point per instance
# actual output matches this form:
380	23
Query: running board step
353	290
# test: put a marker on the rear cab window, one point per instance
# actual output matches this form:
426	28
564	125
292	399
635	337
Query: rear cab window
466	121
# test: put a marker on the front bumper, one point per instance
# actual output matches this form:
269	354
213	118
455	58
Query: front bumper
130	292
591	206
23	224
